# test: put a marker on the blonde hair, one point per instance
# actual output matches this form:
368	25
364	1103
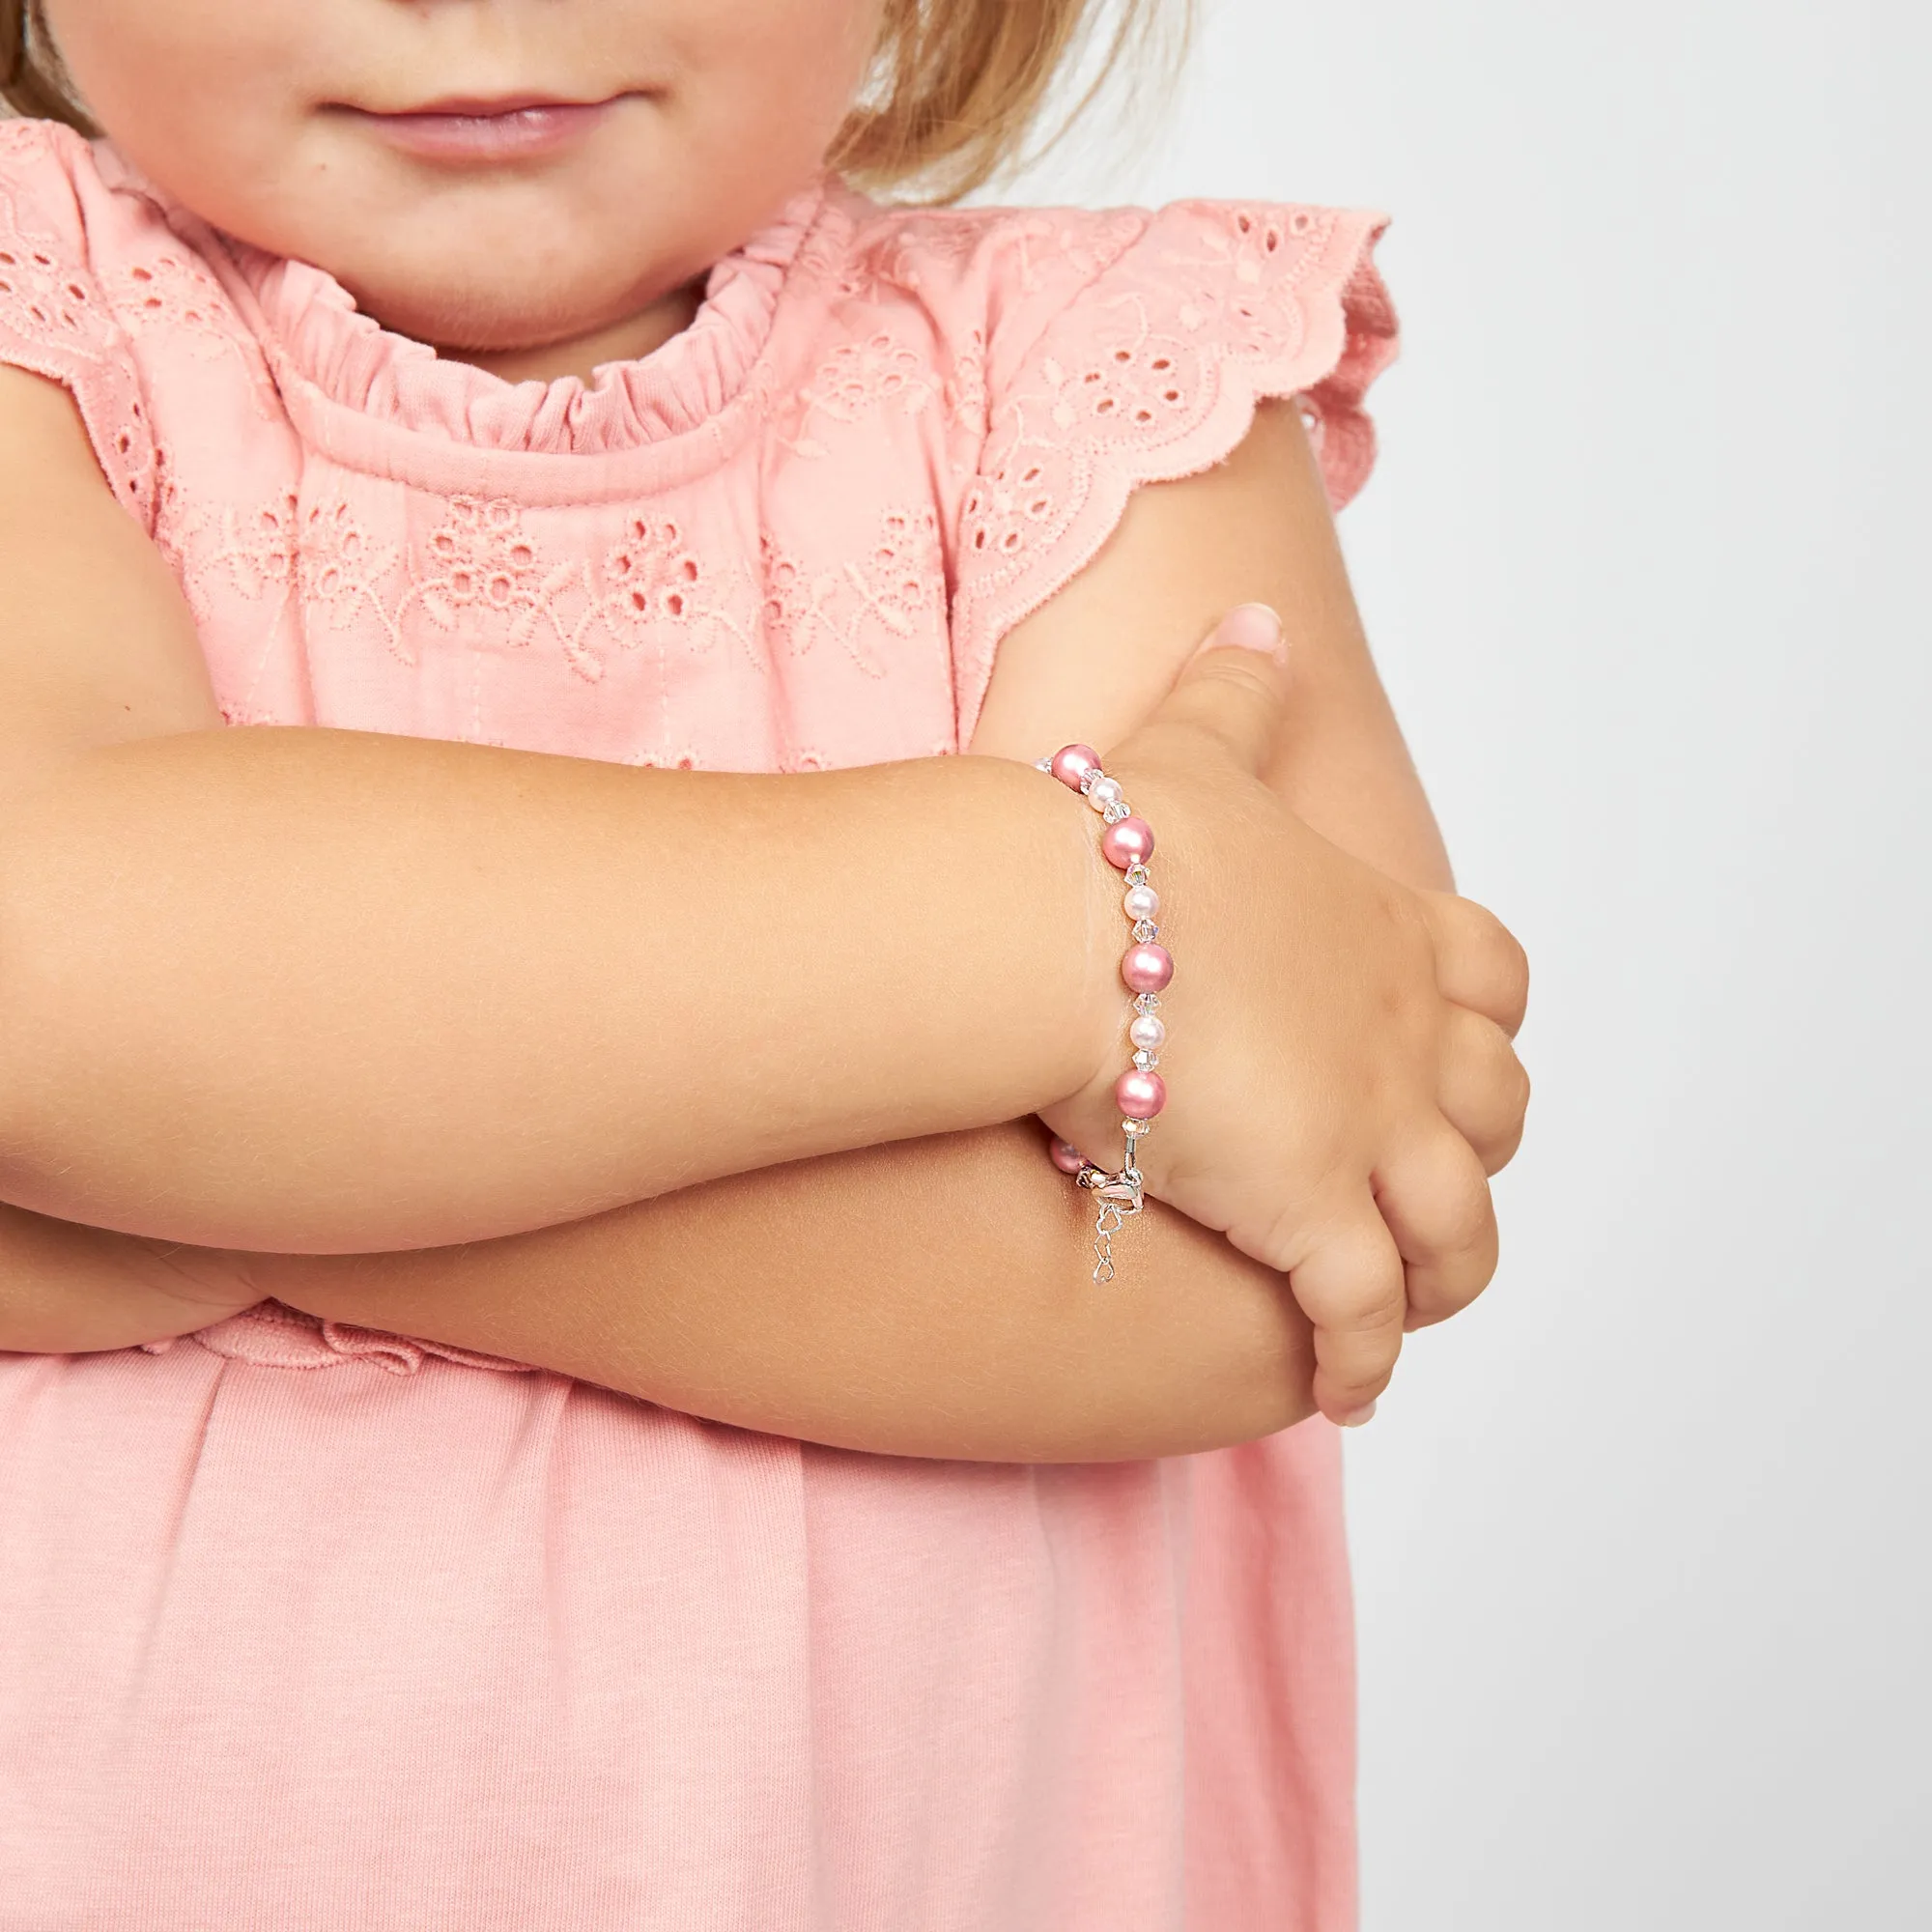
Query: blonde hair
957	92
959	88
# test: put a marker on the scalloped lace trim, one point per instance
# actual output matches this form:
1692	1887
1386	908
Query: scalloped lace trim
1155	374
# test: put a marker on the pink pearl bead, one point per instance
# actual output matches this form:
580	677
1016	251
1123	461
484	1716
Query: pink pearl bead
1147	968
1072	763
1130	842
1139	1095
1067	1158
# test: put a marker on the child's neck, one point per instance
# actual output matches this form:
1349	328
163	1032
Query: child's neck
579	355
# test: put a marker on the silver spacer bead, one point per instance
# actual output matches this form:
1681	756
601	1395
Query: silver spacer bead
1147	1003
1145	929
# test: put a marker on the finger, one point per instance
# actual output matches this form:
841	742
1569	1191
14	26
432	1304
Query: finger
1483	1090
1478	962
1350	1286
1236	686
1434	1202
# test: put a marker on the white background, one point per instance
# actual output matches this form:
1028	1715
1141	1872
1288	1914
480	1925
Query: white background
1641	1541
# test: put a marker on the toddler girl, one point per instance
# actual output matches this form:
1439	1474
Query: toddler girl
553	1381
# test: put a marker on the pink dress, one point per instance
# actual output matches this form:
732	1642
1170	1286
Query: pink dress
303	1627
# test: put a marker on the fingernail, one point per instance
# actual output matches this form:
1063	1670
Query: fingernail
1249	627
1355	1417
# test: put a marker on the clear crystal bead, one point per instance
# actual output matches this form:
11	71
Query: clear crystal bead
1146	1061
1145	929
1043	764
1137	874
1146	1003
1089	779
1117	810
1134	1129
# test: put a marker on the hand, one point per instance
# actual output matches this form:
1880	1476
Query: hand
1339	1065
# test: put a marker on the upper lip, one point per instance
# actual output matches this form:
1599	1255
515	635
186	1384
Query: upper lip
477	106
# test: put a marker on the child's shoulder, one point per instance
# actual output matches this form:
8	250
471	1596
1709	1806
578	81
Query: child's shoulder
79	254
1088	352
1152	330
72	216
1231	272
49	177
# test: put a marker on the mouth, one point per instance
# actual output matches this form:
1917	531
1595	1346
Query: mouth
463	129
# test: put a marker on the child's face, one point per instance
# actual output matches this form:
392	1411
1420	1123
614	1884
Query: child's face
261	116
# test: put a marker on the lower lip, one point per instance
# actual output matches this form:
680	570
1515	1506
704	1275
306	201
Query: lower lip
520	134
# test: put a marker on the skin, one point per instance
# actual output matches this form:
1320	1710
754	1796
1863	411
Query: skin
245	111
1348	1081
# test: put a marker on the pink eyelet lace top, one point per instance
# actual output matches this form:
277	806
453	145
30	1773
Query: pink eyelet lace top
309	1627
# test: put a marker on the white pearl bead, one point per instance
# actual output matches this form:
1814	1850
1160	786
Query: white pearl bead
1102	793
1141	902
1147	1033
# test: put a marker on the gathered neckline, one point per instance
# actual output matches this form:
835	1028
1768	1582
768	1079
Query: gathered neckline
312	330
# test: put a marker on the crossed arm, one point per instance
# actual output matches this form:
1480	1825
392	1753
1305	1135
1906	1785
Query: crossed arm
924	1296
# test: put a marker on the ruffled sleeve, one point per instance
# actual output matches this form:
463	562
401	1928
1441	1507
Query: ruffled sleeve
1150	367
54	318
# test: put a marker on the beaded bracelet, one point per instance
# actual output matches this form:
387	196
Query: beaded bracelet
1146	967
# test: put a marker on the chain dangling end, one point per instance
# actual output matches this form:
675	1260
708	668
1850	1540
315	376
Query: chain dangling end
1120	1200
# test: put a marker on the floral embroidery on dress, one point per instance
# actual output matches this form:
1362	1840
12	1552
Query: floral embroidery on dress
1168	353
482	565
339	565
966	387
973	395
912	251
652	576
54	321
930	248
858	380
256	552
896	594
1146	376
479	568
323	556
176	292
480	559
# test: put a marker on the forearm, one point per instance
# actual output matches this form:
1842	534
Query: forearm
924	1298
928	1298
316	991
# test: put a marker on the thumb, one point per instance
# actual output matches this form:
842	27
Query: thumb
1236	686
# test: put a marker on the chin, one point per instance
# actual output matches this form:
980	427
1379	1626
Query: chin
496	316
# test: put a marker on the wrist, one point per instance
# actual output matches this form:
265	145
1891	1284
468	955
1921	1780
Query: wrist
1094	1025
1062	901
1126	969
